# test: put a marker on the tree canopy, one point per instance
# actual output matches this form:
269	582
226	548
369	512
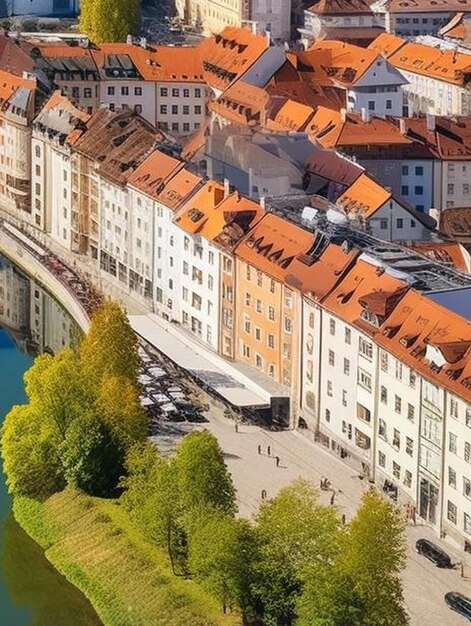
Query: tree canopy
109	20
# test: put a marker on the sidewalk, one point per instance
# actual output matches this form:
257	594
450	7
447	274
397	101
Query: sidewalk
425	585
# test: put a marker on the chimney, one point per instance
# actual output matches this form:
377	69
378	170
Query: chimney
430	121
129	40
268	37
227	188
143	42
402	126
262	202
254	27
365	115
343	115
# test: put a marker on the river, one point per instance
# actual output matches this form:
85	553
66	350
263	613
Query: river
32	592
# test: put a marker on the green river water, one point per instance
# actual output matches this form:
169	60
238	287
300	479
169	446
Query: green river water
32	592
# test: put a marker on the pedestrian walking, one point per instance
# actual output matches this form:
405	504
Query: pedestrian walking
277	458
268	450
236	427
332	498
259	449
264	494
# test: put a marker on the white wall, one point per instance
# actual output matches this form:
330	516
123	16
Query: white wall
425	94
378	91
393	223
273	16
171	101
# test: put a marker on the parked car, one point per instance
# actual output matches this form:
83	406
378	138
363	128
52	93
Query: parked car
433	553
459	603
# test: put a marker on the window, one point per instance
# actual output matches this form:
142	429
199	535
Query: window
419	190
348	335
396	470
410	412
272	286
453	407
384	395
389	104
371	105
332	327
397	404
197	92
468	417
210	283
175	93
467	488
331	357
467	452
364	379
163	92
405	190
327	415
125	91
329	389
138	91
396	439
365	348
382	429
186	109
412	378
399	222
271	313
185	294
452	443
186	93
163	109
258	333
271	341
288	326
467	523
409	446
247	326
258	361
405	170
383	224
407	478
259	279
381	459
259	308
246	351
363	413
174	109
452	477
419	170
110	91
346	367
247	271
451	512
138	108
344	397
450	189
198	109
384	361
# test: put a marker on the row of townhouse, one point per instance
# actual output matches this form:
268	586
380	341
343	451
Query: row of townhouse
437	80
377	371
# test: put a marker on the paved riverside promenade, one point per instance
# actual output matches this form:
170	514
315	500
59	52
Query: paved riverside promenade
425	585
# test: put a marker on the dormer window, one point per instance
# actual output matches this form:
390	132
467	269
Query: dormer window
370	318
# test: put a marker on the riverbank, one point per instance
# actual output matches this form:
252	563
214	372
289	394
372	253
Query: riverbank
129	582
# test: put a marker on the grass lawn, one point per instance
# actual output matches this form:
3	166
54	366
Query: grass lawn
129	581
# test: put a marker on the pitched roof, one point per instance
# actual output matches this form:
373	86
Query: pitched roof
335	7
221	220
456	28
363	198
12	56
228	55
118	141
333	167
423	6
449	253
456	223
63	118
289	116
329	62
10	83
446	65
447	138
273	245
367	290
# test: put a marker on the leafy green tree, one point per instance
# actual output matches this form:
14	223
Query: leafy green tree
92	457
119	406
30	457
202	474
152	497
220	556
109	20
293	531
54	386
362	585
110	347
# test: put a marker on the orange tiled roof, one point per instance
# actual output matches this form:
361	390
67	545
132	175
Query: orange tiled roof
241	103
449	139
449	253
290	116
456	223
432	6
339	7
230	54
9	83
419	331
366	289
446	65
273	245
222	220
59	101
335	62
455	28
363	198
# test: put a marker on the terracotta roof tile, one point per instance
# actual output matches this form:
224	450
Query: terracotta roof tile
363	198
9	83
456	223
449	253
